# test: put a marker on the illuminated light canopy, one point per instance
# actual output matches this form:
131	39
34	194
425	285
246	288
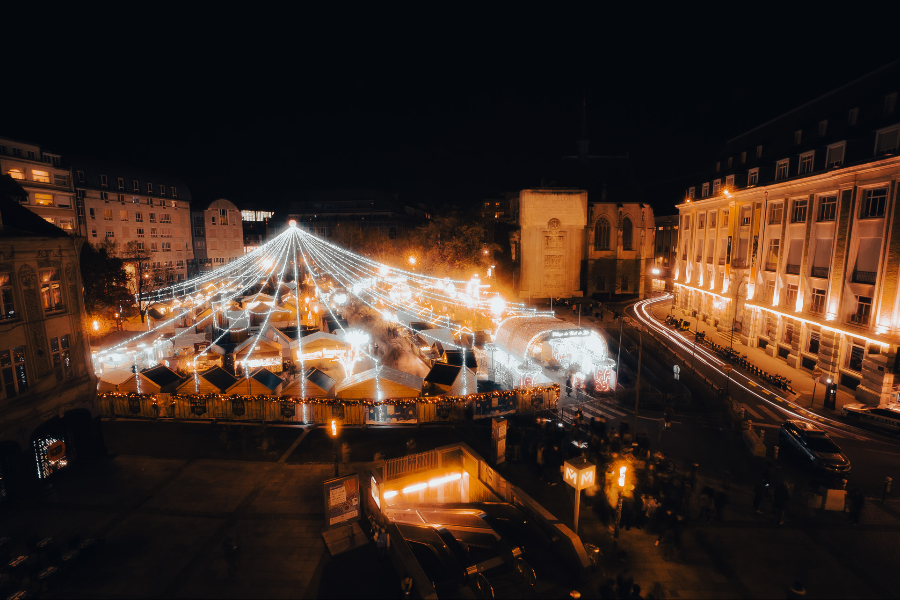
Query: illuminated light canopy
292	223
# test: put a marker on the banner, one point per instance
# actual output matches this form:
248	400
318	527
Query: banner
342	500
393	414
493	407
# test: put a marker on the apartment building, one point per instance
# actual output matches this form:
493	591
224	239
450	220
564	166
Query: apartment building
800	252
46	179
258	227
124	204
47	408
218	235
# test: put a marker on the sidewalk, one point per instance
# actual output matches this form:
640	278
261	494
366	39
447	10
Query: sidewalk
801	381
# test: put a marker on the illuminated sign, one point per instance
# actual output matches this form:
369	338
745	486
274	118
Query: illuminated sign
580	473
569	333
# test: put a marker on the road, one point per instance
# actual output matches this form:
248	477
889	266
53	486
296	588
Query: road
872	455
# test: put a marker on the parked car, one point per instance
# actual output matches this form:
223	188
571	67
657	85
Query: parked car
885	416
814	445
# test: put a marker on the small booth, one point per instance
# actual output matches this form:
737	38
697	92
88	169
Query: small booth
214	380
262	382
110	380
452	380
380	383
318	385
265	353
155	380
319	349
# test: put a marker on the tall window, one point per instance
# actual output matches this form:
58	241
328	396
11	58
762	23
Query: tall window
139	217
781	169
705	190
51	292
873	204
827	208
12	365
772	254
743	157
712	220
123	215
174	192
798	211
835	156
886	141
107	214
758	151
140	232
626	234
817	306
7	304
716	185
791	296
854	358
153	217
103	181
806	163
121	183
601	234
775	215
813	345
149	188
135	186
788	336
863	311
852	115
59	348
770	291
16	174
165	218
43	199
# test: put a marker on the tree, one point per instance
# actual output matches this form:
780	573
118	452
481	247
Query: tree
105	279
143	276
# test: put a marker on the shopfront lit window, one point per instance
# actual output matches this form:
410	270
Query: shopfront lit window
62	365
51	292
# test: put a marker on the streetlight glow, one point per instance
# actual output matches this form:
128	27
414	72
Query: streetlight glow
622	471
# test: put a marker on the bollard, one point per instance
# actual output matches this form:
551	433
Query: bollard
776	452
887	488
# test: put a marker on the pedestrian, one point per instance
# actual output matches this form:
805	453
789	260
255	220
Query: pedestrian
759	492
781	498
856	501
381	542
542	447
569	386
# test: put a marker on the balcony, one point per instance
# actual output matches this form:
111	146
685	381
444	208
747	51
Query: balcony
721	261
709	260
739	263
819	272
771	266
792	269
860	319
864	277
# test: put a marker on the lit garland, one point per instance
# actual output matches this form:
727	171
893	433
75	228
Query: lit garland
212	397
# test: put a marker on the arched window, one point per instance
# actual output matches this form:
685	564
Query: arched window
626	234
601	234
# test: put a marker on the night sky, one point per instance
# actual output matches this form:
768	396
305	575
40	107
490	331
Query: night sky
450	114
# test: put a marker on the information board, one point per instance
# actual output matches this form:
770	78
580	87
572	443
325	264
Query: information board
342	500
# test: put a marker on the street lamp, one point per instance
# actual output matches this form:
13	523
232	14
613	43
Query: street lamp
334	438
727	369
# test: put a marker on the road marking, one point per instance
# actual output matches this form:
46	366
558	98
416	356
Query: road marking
751	383
752	412
593	410
770	413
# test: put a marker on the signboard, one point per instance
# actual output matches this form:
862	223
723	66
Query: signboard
287	409
569	333
498	439
537	399
493	407
237	407
134	405
56	451
443	410
391	414
198	406
580	473
337	411
342	500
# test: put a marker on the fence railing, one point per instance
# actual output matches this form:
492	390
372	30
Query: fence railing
412	463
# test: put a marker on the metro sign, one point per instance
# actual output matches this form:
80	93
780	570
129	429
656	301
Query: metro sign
580	473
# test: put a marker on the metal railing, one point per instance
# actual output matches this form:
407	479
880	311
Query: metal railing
820	272
859	319
864	276
792	269
721	261
771	266
709	260
412	463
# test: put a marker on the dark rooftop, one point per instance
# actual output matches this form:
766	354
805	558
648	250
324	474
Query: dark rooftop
162	376
443	374
454	357
219	377
320	379
267	378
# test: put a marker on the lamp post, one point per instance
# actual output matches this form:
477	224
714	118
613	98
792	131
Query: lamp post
334	439
621	482
817	374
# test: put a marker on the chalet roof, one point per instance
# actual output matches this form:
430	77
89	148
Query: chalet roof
322	336
267	378
400	377
455	357
443	374
319	378
161	375
219	377
116	376
262	345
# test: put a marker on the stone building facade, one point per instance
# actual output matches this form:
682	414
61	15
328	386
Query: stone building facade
46	179
800	254
48	414
218	234
569	247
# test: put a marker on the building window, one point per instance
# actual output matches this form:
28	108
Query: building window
154	247
51	292
712	220
817	306
743	157
104	196
601	234
135	186
873	203
200	244
716	185
149	188
890	102
165	218
729	162
16	174
66	224
107	214
798	137
791	296
775	215
165	232
788	336
812	345
213	219
7	304
140	232
690	192
823	127
43	199
103	181
59	349
852	115
854	358
153	232
770	291
729	181
93	233
162	190
31	155
40	176
886	140
701	221
17	152
806	163
153	217
12	365
167	246
626	234
139	217
110	233
835	156
759	151
705	190
781	169
121	183
772	254
123	215
91	212
798	211
863	310
745	216
140	246
827	208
